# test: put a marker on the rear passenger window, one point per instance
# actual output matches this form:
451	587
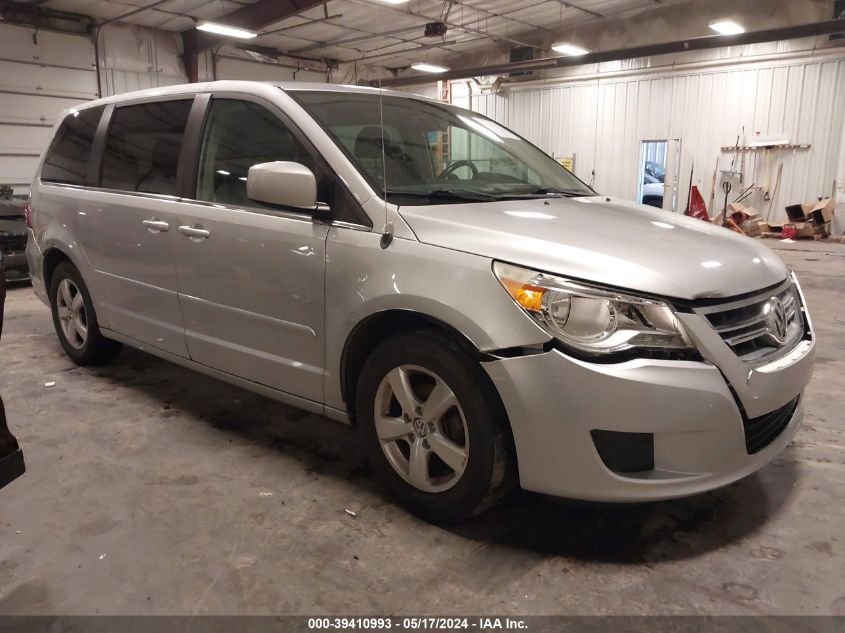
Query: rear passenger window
238	135
142	147
67	159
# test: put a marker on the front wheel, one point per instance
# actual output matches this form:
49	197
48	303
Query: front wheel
433	427
75	320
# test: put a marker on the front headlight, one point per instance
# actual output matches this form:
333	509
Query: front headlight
592	320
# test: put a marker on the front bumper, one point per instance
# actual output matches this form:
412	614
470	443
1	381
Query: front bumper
555	401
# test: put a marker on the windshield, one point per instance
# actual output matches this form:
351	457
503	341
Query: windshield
430	153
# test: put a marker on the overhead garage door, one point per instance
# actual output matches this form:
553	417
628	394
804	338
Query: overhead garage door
40	75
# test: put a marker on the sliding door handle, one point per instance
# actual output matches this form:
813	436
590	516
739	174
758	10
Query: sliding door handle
195	233
156	226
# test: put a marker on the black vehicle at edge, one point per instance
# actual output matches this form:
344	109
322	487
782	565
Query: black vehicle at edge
11	456
13	236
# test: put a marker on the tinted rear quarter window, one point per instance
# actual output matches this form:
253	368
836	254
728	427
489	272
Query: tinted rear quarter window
67	159
142	147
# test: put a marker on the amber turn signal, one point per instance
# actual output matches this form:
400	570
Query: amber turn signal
528	296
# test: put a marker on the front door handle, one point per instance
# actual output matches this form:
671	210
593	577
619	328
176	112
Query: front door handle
195	233
156	226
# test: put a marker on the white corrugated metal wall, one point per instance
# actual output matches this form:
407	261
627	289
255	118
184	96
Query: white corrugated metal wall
603	122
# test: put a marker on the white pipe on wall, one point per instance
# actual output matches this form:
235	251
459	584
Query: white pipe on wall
671	69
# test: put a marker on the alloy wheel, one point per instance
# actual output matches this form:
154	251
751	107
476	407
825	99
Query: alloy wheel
421	428
72	316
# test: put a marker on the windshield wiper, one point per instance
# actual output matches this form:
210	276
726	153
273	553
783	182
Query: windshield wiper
545	192
448	194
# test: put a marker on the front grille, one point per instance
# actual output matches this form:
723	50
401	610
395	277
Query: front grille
745	325
762	431
12	243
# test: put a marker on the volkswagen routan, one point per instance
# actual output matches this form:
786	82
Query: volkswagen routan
485	319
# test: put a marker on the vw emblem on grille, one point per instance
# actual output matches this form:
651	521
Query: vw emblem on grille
777	322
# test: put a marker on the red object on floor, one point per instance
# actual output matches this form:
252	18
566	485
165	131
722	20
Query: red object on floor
788	233
697	208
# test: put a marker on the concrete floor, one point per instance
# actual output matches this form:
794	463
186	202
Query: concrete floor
155	490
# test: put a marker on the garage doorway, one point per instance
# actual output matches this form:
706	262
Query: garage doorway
660	163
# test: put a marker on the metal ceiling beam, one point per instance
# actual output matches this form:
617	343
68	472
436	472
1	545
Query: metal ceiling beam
680	46
404	51
451	25
253	17
360	38
45	18
569	5
502	16
133	12
480	35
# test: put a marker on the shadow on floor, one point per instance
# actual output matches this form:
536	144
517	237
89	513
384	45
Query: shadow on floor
628	534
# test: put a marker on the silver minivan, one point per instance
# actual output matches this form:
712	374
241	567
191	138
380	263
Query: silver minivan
484	318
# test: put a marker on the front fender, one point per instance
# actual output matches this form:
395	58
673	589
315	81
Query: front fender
458	289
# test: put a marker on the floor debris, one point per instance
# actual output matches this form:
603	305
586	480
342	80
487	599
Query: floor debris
351	513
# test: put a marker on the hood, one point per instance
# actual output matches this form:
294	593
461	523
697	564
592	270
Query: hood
605	241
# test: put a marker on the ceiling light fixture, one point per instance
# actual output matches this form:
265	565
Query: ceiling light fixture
222	29
727	27
565	48
429	68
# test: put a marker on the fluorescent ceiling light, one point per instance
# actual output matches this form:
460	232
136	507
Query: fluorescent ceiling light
727	27
429	68
569	49
222	29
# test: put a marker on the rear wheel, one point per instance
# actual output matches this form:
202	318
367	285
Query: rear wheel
75	320
433	427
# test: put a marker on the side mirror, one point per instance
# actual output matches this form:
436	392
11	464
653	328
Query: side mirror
283	184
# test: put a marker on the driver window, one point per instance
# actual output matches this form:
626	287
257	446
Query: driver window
239	134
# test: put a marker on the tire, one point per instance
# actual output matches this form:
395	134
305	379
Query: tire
76	327
471	432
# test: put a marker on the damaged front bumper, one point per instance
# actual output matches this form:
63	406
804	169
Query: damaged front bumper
648	429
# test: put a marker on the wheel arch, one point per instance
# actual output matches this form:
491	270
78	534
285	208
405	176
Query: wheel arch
52	258
382	325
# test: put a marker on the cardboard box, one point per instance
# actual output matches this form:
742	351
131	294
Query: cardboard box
804	229
796	212
822	213
808	229
751	230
